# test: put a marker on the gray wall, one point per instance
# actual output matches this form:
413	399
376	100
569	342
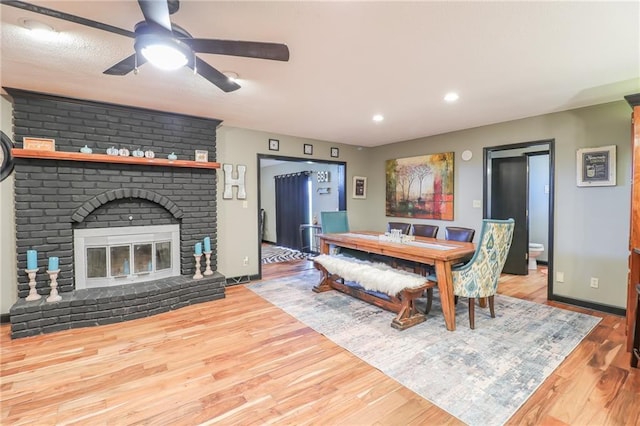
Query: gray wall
579	252
319	202
8	268
591	224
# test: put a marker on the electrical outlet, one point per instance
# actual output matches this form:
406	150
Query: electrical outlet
245	261
560	277
594	282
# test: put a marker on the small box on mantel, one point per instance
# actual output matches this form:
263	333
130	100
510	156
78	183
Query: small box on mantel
40	144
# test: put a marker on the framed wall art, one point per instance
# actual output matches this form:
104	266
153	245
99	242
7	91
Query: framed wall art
359	187
41	144
202	156
274	145
308	149
596	166
420	187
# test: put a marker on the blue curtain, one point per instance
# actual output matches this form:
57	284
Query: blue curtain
292	208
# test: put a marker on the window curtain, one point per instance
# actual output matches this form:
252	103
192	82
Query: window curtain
292	208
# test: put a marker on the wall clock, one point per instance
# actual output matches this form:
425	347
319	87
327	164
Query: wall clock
274	144
6	159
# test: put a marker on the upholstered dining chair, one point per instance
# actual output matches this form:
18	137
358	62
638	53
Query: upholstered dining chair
422	230
334	222
458	233
402	226
478	278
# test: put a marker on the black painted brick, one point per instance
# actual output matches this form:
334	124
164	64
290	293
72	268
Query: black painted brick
56	194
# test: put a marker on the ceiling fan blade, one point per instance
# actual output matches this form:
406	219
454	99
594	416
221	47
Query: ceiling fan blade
126	65
156	11
248	49
68	17
214	76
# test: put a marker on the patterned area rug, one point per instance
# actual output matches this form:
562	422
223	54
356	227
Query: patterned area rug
276	254
480	376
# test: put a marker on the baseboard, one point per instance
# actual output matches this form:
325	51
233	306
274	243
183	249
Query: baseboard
5	318
590	305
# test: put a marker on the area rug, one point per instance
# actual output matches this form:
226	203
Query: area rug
480	376
276	254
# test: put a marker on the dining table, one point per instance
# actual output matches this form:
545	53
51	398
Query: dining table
442	254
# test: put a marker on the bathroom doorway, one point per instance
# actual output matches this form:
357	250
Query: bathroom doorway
518	183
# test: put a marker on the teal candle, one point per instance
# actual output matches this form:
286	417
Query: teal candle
53	263
198	248
207	244
32	259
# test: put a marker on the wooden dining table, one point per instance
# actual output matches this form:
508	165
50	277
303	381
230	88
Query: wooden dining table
431	251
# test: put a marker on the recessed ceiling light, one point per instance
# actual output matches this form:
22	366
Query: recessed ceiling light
451	97
38	29
378	118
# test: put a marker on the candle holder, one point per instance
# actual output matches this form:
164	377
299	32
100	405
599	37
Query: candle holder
208	271
198	274
54	296
33	293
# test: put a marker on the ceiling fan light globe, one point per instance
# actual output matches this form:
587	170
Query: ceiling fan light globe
164	57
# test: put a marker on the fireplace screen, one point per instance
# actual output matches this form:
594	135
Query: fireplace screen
112	256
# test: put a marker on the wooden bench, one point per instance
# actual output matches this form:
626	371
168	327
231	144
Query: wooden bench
376	283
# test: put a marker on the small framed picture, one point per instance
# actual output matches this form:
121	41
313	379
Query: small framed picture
596	166
41	144
274	145
359	187
202	156
308	149
335	152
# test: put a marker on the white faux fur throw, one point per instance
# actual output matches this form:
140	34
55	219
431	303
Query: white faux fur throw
371	276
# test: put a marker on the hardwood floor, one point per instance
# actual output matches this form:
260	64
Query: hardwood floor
241	360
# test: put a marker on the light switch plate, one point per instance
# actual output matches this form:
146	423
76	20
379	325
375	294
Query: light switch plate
477	204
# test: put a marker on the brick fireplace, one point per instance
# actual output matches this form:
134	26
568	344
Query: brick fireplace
57	198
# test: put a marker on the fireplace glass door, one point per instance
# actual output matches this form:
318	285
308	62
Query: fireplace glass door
115	256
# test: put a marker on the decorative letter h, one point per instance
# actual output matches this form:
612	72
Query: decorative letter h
230	182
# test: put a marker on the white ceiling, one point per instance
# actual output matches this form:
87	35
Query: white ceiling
349	61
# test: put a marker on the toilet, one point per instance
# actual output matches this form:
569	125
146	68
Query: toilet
535	250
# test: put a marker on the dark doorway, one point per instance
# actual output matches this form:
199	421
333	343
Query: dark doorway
506	187
509	195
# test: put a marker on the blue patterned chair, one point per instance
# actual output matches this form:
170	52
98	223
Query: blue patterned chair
478	278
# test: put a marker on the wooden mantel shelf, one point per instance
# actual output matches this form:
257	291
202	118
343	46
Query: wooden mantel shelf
103	158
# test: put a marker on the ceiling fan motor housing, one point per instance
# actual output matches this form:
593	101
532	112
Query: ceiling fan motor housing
148	35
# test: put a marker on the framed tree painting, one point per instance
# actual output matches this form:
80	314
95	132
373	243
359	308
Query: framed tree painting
420	187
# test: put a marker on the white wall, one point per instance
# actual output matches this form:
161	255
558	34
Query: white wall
539	202
8	277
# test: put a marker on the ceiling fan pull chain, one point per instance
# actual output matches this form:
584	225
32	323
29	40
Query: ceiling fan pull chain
135	64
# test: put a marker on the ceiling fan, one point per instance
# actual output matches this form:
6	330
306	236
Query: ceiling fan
158	39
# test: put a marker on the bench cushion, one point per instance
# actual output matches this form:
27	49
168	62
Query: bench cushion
371	276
